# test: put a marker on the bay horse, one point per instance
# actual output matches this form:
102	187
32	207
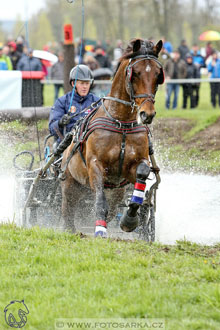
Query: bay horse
115	145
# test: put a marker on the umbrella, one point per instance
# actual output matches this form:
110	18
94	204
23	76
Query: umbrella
44	55
209	36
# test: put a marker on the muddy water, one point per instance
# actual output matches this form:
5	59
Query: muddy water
188	206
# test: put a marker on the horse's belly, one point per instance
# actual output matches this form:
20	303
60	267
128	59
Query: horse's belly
78	170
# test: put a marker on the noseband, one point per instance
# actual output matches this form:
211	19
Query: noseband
129	86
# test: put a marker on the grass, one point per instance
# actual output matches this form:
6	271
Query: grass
60	275
203	116
192	160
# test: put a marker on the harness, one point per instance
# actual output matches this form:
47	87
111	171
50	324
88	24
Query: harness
129	86
86	126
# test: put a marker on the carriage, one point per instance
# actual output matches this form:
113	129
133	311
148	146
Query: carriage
109	148
44	208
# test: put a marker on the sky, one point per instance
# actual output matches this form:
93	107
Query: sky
11	8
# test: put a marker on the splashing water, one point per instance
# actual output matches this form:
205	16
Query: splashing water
6	198
188	207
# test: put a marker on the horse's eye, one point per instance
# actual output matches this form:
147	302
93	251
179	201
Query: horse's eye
136	74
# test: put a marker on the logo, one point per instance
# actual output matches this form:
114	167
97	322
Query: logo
73	109
15	314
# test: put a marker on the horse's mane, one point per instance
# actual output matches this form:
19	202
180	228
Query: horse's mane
147	48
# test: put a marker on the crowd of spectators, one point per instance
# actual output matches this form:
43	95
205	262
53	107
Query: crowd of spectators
182	63
17	56
187	63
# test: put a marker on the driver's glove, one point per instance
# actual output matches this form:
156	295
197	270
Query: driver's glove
64	120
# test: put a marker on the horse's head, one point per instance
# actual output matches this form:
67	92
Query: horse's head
143	74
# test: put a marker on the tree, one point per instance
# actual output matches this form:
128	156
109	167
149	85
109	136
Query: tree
40	31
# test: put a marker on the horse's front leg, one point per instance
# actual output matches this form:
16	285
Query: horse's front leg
101	206
129	220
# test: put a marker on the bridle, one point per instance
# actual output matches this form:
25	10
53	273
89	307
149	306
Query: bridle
129	86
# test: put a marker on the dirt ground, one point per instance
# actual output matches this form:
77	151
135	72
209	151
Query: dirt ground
171	131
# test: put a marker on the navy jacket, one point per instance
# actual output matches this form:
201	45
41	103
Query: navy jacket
27	63
61	108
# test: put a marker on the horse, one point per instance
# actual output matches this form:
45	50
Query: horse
114	149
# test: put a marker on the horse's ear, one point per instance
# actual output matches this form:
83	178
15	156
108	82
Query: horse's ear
159	46
136	45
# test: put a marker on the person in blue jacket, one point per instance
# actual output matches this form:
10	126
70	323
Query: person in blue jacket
214	69
59	114
199	61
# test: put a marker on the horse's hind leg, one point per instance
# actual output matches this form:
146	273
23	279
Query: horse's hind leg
115	197
129	220
70	197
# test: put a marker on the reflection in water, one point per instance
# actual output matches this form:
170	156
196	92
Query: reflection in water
188	206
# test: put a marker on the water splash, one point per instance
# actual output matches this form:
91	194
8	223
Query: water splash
6	198
188	208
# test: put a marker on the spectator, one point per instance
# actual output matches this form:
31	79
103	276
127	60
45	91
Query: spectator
20	44
175	68
57	74
5	62
91	62
164	56
109	49
118	50
100	58
209	50
14	54
167	45
189	89
183	49
6	50
29	63
214	69
199	61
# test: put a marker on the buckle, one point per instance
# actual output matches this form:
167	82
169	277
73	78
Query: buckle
119	123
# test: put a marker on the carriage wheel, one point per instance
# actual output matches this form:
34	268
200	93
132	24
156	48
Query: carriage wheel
147	223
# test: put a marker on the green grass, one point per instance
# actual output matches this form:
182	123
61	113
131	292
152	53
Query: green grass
193	160
201	117
60	275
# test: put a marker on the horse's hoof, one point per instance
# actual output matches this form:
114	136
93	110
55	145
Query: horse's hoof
101	228
128	224
100	233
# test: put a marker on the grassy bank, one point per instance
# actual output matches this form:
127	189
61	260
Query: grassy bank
60	275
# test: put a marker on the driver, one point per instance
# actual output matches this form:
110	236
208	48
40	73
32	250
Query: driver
59	117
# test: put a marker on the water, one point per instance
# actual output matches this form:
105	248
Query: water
188	207
6	198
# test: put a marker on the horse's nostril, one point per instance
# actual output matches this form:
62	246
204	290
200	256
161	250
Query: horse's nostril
143	116
146	118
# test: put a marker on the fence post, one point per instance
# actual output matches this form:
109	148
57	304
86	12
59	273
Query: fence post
69	56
